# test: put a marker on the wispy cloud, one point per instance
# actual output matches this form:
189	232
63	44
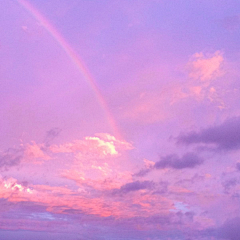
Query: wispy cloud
206	67
11	157
30	152
51	135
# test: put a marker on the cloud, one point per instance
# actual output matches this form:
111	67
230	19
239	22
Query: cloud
202	70
35	151
31	152
148	166
62	200
136	186
102	183
225	136
230	229
205	68
14	156
143	172
162	187
188	160
228	184
101	145
12	185
51	134
10	158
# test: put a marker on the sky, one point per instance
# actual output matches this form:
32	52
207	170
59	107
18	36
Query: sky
120	119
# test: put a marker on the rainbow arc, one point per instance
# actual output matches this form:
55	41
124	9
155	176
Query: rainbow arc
77	61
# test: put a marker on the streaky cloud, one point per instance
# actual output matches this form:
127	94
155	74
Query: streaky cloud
188	160
134	186
225	136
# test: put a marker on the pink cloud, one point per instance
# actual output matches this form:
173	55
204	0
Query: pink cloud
59	200
204	67
34	151
56	199
93	157
112	179
202	70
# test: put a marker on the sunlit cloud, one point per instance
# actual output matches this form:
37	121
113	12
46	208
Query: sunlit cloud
102	145
11	188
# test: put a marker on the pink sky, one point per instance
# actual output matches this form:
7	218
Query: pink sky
120	120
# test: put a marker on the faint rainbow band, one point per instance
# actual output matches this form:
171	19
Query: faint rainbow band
75	59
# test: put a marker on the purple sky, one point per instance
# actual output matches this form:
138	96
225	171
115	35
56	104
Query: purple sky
120	119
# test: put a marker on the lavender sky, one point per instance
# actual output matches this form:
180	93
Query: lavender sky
120	119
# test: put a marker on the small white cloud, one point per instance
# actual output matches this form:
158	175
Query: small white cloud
11	184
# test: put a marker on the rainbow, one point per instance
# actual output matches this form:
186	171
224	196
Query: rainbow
75	59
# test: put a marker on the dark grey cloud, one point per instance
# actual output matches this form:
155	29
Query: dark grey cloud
51	135
143	172
225	136
188	160
10	158
135	186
